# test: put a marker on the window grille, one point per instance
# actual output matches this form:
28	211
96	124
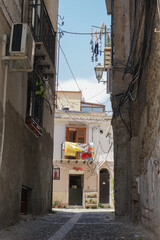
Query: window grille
35	102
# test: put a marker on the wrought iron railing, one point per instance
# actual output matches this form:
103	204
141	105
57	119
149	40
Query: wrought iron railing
35	102
41	26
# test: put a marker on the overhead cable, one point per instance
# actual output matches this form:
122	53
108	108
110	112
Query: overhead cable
69	67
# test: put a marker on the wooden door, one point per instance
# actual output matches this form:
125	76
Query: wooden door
75	189
104	186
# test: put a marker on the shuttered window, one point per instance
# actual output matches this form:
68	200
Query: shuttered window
76	135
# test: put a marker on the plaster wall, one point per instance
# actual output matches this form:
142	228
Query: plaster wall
91	180
52	8
100	134
61	187
11	10
26	159
70	99
59	138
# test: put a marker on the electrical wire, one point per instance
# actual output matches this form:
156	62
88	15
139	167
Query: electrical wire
104	102
139	54
95	95
69	67
80	33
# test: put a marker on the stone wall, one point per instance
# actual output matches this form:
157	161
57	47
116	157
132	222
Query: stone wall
149	140
137	161
121	135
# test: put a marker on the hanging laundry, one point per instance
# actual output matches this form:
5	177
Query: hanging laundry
96	50
91	43
100	44
71	149
86	149
86	155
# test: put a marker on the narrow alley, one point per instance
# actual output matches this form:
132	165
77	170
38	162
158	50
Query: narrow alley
74	224
79	120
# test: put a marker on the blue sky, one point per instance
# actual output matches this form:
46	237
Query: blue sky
79	16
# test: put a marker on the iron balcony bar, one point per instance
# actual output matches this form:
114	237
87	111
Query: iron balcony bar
41	26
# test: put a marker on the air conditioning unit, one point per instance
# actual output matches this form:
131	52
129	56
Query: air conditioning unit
21	48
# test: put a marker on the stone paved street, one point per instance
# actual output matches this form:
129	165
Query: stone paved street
71	224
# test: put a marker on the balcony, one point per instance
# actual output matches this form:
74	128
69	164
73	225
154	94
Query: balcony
44	36
77	151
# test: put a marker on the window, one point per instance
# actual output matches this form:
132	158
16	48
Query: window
35	102
76	135
91	107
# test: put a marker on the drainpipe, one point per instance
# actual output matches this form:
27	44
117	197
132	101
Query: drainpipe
3	112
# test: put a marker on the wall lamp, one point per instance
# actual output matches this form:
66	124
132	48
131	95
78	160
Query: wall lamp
99	73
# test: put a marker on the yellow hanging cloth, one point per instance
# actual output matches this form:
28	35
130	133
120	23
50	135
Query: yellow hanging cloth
71	149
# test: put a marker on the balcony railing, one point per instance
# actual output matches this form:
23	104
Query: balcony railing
41	26
77	151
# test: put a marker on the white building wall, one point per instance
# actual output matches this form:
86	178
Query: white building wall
59	138
99	134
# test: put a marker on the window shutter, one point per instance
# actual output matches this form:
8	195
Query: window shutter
81	135
67	134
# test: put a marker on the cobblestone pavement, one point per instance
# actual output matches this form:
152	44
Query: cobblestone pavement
74	224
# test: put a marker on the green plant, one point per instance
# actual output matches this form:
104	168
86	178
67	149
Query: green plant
58	204
93	207
100	205
90	200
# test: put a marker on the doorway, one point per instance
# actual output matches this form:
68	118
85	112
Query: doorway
104	186
76	189
25	196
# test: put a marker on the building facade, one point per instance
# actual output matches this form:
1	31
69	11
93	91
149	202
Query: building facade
83	153
135	101
26	107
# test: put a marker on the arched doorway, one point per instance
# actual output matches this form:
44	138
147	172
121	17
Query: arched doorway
104	186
